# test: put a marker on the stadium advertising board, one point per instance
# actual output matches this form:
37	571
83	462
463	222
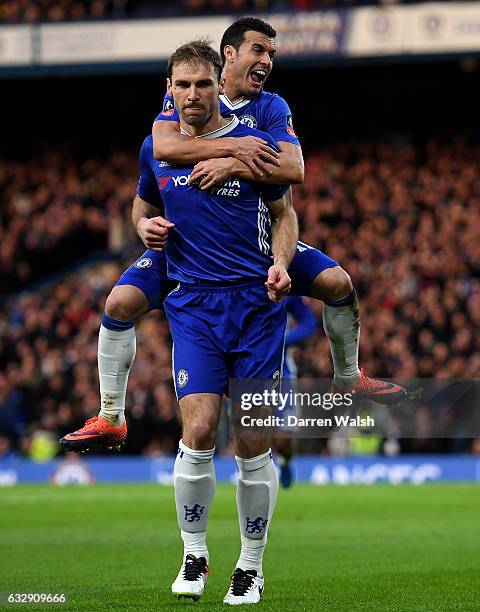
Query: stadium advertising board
450	28
424	28
16	47
377	31
144	40
431	28
415	469
315	33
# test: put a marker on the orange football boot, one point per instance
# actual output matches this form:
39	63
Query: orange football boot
379	391
97	433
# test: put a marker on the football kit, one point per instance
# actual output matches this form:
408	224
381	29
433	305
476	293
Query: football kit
223	325
269	113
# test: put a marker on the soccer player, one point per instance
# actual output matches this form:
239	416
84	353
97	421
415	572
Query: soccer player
304	326
225	323
247	49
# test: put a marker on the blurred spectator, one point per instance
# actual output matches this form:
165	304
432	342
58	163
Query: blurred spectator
58	209
14	11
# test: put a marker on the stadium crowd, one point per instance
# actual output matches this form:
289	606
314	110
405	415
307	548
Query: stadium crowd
60	209
402	219
26	11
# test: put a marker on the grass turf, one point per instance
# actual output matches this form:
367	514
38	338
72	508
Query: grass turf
116	547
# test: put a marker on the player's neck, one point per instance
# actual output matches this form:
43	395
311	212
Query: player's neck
233	93
215	122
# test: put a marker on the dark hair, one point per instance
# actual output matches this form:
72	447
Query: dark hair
235	34
197	51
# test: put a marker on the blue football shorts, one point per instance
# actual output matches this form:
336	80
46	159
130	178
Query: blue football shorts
307	263
149	273
224	332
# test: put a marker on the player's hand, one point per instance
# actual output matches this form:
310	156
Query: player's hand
211	172
256	153
278	283
154	232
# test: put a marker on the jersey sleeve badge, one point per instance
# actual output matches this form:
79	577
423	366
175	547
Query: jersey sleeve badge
168	104
290	129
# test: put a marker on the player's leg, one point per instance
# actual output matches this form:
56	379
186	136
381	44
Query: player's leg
316	275
257	489
117	348
194	484
259	356
200	377
141	288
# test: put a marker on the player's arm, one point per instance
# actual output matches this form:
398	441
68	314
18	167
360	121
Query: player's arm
277	120
151	227
278	123
284	243
211	172
290	170
170	145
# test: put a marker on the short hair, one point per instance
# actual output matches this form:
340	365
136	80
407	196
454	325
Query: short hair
235	34
195	52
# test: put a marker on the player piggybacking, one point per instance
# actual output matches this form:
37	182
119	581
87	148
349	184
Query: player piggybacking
247	49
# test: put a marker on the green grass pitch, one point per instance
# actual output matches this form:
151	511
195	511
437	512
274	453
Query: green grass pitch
116	547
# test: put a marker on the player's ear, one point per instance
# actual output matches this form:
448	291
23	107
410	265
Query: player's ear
230	53
169	87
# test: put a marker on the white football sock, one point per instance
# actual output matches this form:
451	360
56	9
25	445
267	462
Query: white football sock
257	490
342	328
194	482
116	354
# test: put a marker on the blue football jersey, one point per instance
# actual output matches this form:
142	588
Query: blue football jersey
220	235
267	112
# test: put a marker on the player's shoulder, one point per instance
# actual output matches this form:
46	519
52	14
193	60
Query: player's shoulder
272	100
146	150
148	143
245	130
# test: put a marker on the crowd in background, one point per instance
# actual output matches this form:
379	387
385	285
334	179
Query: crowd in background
28	11
401	218
60	208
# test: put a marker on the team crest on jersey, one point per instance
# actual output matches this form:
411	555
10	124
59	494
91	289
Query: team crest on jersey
248	120
182	378
290	129
145	262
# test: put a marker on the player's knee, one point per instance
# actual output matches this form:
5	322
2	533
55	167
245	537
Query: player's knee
250	446
201	434
334	284
119	307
